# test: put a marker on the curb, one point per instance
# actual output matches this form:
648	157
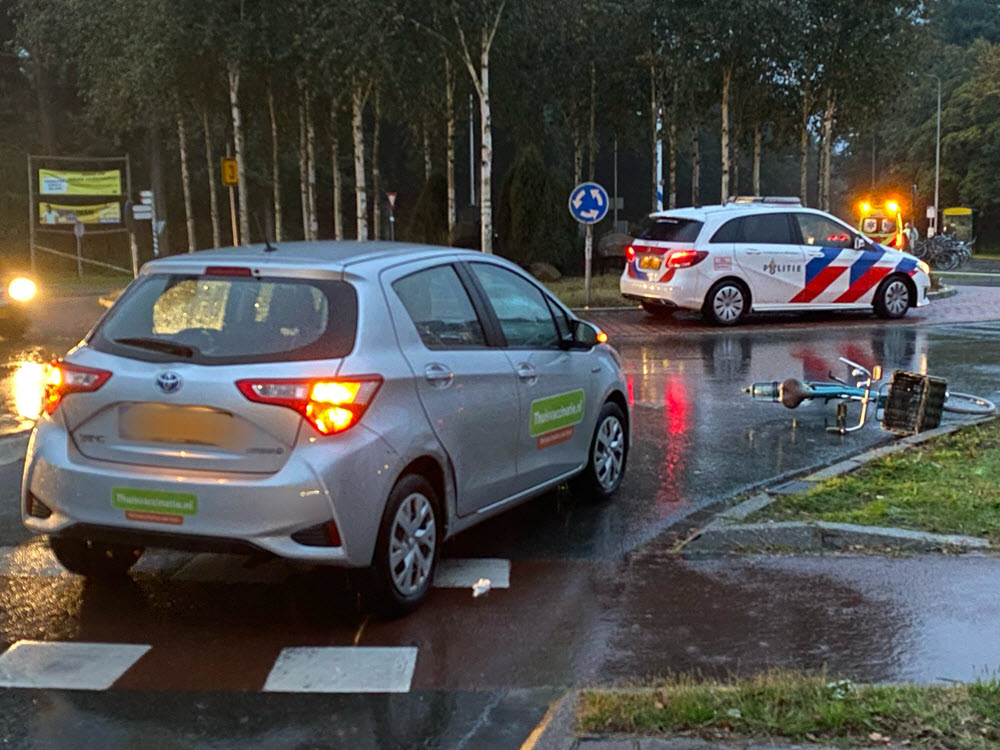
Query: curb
943	293
725	534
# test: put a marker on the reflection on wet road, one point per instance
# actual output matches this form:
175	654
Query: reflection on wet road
696	437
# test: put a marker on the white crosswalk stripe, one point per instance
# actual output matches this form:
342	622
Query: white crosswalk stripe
369	669
67	666
35	560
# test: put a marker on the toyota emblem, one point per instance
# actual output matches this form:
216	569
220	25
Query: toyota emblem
168	382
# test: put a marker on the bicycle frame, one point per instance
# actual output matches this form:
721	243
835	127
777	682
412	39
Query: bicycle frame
866	390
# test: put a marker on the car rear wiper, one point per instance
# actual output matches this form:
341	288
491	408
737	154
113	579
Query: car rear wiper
159	345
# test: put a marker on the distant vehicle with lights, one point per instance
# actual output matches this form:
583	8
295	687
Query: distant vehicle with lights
349	404
16	298
766	254
883	223
959	223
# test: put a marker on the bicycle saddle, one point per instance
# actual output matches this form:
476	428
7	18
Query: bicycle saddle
793	392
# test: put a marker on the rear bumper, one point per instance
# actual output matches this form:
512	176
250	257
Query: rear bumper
344	480
684	294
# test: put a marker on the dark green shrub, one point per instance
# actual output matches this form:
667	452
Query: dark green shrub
429	220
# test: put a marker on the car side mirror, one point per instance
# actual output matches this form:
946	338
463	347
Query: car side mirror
859	243
584	336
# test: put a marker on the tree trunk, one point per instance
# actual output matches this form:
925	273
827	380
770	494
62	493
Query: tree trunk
695	167
425	134
672	162
831	108
275	170
158	184
338	211
578	151
376	174
727	74
449	93
654	139
757	148
592	138
186	184
213	197
303	165
239	151
804	149
820	153
486	160
735	189
360	186
46	123
311	167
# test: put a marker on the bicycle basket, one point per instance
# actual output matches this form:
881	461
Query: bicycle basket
914	403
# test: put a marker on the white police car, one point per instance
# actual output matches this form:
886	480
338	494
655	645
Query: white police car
766	255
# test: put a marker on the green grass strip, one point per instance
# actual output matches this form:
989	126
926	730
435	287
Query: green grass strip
949	485
802	708
604	291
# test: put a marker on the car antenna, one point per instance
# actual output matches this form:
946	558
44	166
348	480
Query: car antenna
268	247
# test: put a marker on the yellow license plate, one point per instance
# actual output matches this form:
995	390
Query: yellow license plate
650	262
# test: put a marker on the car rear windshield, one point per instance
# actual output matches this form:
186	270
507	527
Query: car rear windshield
671	230
230	320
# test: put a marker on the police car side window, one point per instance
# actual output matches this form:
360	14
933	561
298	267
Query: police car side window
767	229
728	232
440	309
820	231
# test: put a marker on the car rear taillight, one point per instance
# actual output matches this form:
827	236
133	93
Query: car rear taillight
685	258
62	378
630	253
330	405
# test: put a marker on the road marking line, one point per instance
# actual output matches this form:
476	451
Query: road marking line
536	734
366	669
463	573
67	666
35	560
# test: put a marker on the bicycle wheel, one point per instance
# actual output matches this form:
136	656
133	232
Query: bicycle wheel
947	260
966	403
920	250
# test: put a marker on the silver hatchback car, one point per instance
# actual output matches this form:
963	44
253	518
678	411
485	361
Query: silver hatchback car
337	403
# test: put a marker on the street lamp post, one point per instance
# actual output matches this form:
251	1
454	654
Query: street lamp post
937	157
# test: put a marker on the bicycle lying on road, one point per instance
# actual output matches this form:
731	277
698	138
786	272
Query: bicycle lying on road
909	403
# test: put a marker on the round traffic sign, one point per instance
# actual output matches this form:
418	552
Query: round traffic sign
588	202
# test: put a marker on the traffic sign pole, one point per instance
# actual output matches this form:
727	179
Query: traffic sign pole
588	203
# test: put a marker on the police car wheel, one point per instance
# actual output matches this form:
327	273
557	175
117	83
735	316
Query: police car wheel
892	299
726	303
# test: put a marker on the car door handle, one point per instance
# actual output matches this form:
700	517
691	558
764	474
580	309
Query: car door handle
753	251
438	375
526	372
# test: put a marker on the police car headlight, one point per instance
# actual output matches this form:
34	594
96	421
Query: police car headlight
21	289
924	267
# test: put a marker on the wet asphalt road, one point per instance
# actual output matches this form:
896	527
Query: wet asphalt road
594	596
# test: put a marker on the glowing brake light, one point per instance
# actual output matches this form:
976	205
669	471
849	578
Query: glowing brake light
329	405
630	253
62	378
685	258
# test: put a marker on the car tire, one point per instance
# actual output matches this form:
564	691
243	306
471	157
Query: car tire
658	311
892	298
94	559
726	303
396	588
606	460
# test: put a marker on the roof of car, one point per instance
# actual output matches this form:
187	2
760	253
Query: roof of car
703	213
328	253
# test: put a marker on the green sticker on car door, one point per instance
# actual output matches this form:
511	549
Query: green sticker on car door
556	412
